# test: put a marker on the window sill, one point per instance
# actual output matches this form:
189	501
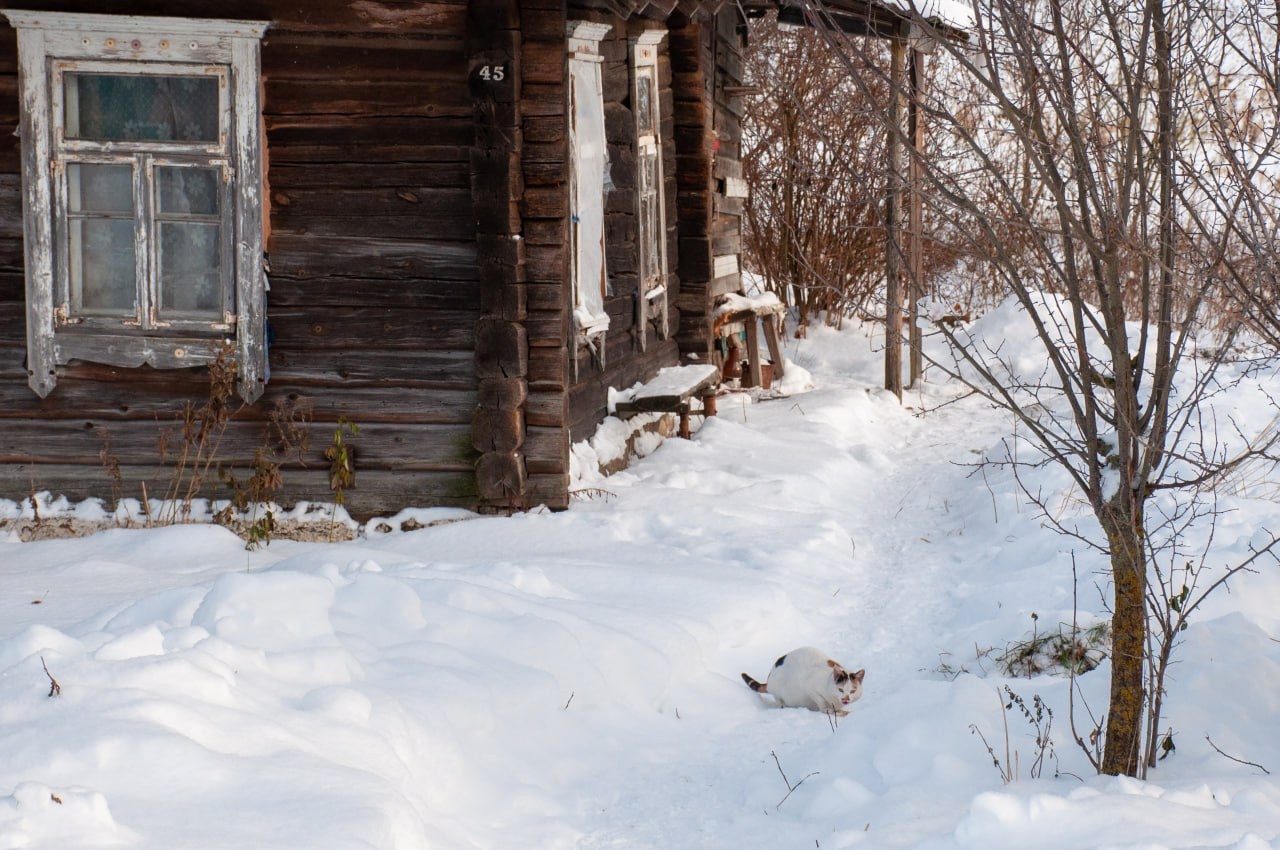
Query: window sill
131	350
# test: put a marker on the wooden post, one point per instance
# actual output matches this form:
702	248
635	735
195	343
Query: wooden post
915	234
893	245
753	351
771	321
502	348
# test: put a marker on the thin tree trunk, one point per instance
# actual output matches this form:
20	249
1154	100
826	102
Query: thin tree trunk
1122	522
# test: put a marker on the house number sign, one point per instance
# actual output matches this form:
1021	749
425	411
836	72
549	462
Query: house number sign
493	73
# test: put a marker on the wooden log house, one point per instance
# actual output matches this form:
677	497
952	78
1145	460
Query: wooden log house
479	216
455	223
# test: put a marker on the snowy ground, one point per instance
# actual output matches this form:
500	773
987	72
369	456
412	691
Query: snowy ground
572	680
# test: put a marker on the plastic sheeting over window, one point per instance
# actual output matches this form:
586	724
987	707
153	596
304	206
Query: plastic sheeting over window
590	166
651	301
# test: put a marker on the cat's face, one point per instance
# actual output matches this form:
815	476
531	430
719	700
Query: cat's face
848	685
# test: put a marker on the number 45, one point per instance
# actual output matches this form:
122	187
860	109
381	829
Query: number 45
493	73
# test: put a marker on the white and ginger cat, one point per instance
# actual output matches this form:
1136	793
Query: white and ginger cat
807	678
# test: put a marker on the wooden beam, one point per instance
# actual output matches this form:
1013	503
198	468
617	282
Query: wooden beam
498	429
893	243
754	373
915	212
770	323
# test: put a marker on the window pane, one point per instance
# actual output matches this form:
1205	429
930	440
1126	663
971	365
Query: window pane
139	108
650	256
190	191
644	102
100	188
191	267
102	265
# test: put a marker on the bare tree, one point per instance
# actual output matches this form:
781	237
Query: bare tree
811	225
813	155
1084	172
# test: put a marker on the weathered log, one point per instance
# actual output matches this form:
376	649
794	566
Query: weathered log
497	430
501	479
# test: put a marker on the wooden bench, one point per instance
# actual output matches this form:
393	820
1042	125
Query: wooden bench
671	391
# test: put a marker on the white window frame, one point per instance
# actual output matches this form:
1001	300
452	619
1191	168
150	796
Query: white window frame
651	234
589	161
52	44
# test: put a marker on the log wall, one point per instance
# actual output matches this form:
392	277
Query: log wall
502	351
544	210
375	293
707	67
418	235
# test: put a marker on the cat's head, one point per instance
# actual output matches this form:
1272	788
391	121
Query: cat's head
848	685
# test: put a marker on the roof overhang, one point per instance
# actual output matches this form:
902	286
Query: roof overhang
657	9
909	19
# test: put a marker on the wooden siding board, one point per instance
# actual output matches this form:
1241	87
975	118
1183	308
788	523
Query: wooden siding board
317	370
406	294
373	492
547	409
306	256
380	445
152	400
355	57
407	212
391	17
551	490
341	152
372	327
435	174
543	130
548	368
363	136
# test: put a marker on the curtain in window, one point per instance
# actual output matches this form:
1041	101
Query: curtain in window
138	108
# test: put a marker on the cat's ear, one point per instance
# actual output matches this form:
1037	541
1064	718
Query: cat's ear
859	676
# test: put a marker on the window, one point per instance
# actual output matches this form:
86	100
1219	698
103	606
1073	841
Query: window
142	174
588	175
651	237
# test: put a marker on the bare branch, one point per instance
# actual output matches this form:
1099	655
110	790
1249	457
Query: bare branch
54	688
790	788
1233	758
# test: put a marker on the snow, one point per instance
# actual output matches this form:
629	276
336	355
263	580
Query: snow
957	13
675	380
732	302
558	680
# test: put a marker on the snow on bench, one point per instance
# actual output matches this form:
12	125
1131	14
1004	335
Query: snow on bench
670	392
